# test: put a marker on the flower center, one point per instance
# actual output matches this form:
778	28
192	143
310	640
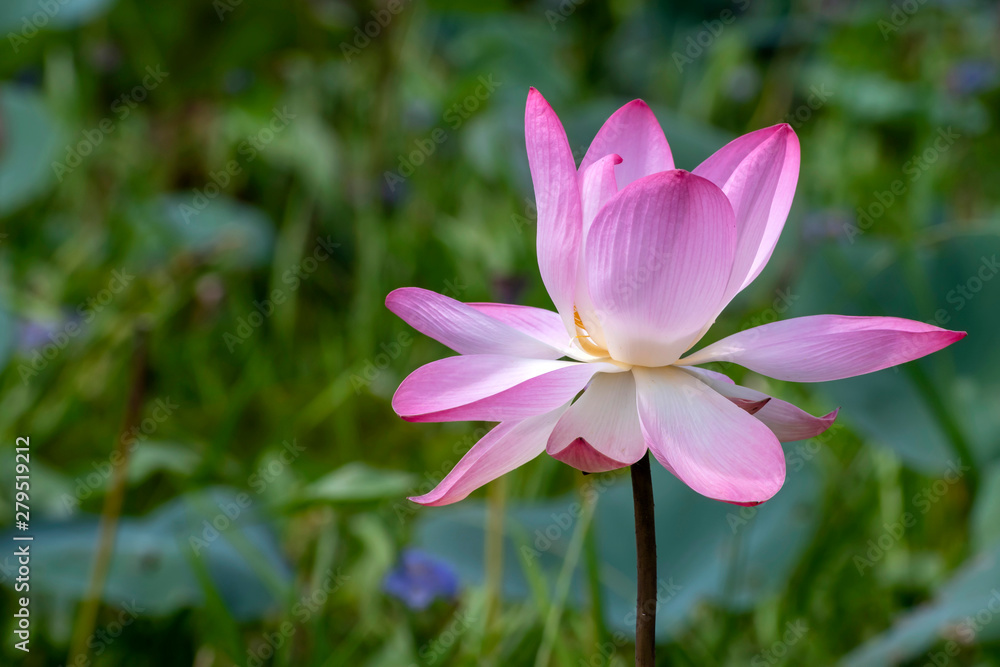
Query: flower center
584	340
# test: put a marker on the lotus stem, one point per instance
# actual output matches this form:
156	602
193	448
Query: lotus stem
645	547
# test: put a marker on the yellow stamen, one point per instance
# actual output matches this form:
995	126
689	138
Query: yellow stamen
586	343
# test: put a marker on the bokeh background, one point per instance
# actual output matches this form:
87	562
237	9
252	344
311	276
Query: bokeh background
248	179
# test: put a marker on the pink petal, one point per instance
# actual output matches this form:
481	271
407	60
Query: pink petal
758	173
633	133
598	187
490	387
704	375
539	323
707	442
466	329
785	420
508	446
790	423
557	198
748	405
658	260
600	431
827	347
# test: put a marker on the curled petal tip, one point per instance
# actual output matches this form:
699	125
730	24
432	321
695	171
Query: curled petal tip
753	503
751	406
583	456
784	132
778	130
536	104
634	133
432	500
951	337
637	103
392	296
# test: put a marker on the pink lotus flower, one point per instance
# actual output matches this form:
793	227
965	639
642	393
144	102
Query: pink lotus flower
639	259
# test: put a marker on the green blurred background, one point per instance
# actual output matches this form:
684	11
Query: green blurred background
251	178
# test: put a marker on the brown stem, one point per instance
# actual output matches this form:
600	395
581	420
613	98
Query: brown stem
645	547
113	500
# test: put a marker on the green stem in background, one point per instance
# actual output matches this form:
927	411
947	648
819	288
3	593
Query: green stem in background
91	602
496	502
929	390
550	634
592	561
645	548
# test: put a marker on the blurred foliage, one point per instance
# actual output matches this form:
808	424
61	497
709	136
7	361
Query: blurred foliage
255	177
